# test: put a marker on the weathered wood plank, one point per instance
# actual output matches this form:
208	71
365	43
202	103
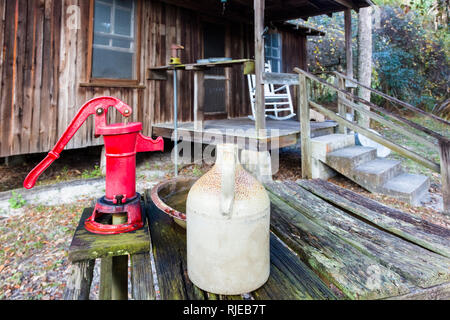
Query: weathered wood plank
333	259
87	245
290	278
169	251
280	78
417	265
444	154
414	229
79	283
439	292
305	129
105	291
142	286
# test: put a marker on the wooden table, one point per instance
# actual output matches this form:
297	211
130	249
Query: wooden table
326	243
113	250
160	73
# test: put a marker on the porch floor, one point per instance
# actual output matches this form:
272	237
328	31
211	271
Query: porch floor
242	131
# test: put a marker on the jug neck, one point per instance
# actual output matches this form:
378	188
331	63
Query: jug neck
226	154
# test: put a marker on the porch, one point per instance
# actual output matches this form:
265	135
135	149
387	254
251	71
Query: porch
279	134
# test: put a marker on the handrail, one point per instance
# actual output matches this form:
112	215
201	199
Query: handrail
304	105
390	124
375	107
381	140
387	97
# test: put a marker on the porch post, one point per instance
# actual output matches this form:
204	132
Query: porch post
348	42
348	52
260	120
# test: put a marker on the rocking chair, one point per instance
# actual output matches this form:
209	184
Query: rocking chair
277	100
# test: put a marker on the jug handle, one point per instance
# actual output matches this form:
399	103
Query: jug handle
227	187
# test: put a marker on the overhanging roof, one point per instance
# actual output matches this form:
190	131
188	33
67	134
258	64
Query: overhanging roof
275	10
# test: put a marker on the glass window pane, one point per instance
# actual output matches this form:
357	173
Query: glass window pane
102	20
101	40
274	40
112	64
122	22
275	53
121	43
125	3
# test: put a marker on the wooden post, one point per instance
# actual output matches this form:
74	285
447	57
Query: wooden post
444	148
305	129
348	48
342	109
348	42
199	98
260	119
79	283
114	272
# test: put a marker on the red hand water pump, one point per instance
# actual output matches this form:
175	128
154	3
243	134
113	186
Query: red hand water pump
122	142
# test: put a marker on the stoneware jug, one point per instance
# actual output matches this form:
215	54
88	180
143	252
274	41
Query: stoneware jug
228	219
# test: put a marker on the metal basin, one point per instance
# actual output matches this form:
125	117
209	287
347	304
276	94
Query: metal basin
170	197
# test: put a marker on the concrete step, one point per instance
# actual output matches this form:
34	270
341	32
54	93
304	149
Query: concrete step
407	187
344	160
373	174
321	146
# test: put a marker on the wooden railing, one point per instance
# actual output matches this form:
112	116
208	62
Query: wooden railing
428	137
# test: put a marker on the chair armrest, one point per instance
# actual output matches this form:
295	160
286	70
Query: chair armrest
280	88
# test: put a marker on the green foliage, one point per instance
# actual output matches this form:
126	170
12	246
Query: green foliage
410	46
410	59
16	201
95	173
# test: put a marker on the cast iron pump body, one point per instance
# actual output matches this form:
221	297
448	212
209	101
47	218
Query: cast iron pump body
122	142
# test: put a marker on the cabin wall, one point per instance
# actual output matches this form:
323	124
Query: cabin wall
44	60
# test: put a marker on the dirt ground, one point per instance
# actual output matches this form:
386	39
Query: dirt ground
33	245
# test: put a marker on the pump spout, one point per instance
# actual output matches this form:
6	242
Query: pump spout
145	144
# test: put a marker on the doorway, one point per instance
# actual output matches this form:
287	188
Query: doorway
214	47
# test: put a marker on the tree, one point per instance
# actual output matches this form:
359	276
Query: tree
364	59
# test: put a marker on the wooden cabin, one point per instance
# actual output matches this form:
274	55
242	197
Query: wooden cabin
57	54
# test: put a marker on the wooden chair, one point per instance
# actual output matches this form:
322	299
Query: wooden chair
277	100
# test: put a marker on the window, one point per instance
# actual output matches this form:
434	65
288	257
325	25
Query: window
114	40
272	46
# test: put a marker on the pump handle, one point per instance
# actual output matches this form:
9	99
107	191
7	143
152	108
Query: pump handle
98	106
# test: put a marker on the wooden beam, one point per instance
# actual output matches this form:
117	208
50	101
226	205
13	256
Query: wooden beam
444	154
348	42
305	129
348	4
260	119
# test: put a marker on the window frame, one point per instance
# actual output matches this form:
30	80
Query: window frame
112	81
280	46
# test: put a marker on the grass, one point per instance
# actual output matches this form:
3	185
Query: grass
95	173
16	201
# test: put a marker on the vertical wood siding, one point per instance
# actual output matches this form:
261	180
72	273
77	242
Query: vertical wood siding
42	63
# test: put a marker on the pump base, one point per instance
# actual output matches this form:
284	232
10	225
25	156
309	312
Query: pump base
104	206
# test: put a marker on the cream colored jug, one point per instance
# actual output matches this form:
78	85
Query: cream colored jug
228	220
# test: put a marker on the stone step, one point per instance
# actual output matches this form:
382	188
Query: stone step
321	146
346	159
407	187
373	174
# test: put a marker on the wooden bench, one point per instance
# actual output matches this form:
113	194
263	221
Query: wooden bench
326	243
113	250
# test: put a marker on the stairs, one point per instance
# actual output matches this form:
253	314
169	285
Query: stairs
361	165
